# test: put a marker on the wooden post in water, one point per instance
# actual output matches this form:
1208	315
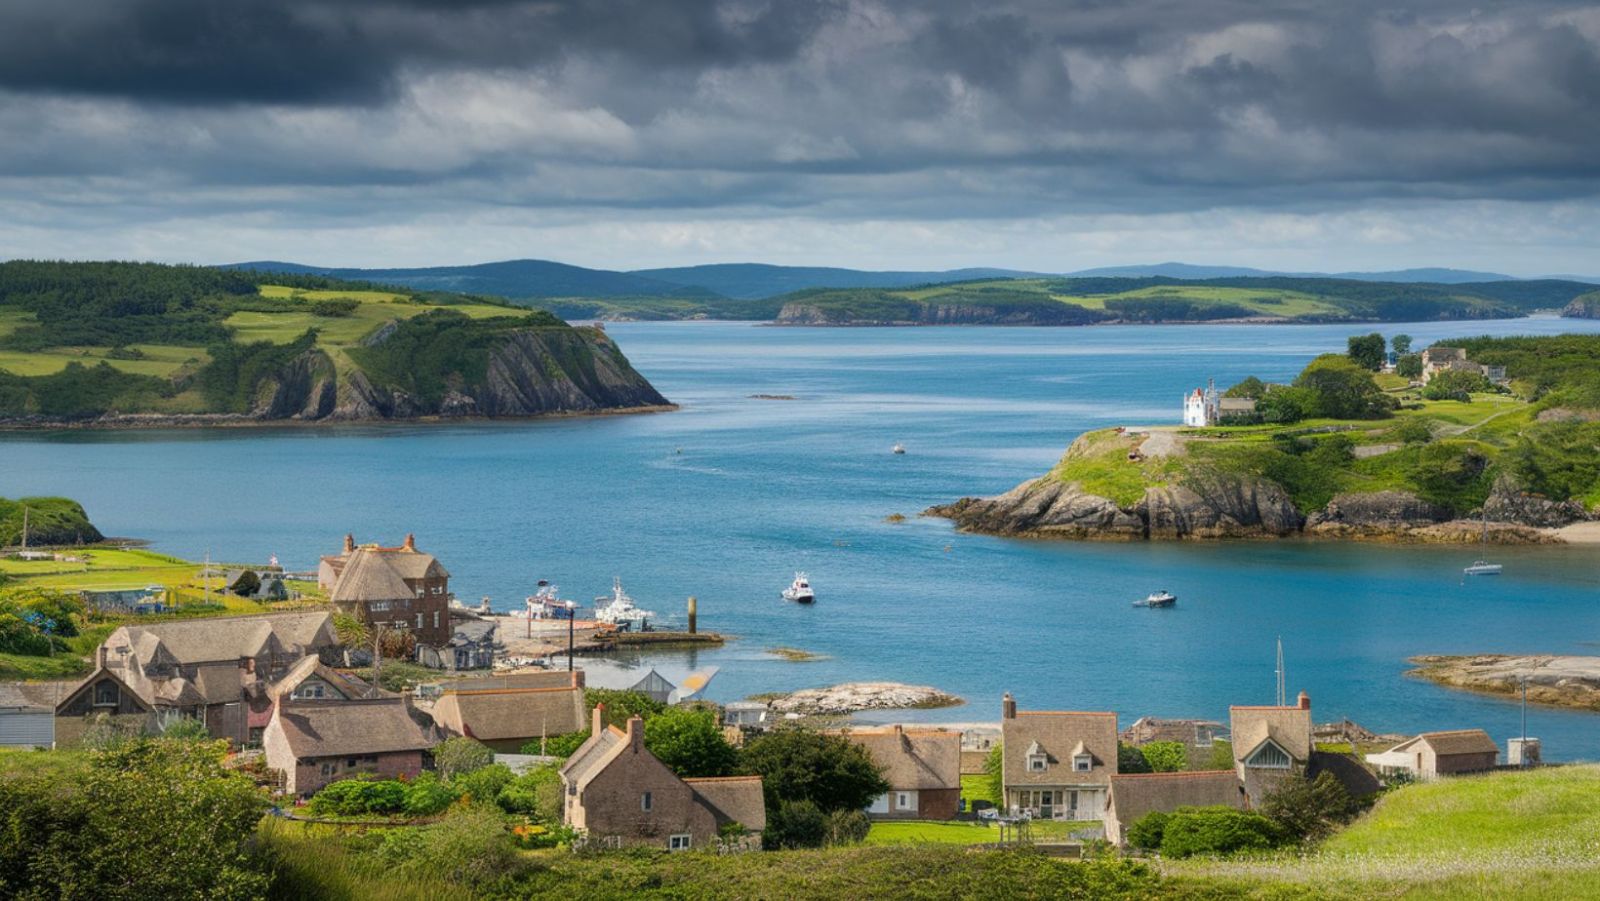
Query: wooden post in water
692	611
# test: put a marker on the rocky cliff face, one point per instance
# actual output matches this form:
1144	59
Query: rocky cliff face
1222	507
1585	306
1227	506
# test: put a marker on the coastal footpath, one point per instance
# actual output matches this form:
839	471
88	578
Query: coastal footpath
1508	463
1554	680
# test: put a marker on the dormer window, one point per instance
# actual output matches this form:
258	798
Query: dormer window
1037	763
1082	763
1270	756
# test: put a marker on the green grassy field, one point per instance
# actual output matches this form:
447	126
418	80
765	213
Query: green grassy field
1530	835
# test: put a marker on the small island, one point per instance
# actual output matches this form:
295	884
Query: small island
1487	440
1554	680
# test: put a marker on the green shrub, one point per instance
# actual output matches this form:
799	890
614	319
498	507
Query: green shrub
830	771
1217	830
1166	756
1130	759
358	797
795	824
1452	384
1409	365
536	794
848	827
557	745
427	795
1310	810
1146	832
335	307
1343	389
484	784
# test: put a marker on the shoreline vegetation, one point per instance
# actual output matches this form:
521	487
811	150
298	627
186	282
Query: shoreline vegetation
1568	681
1343	453
143	345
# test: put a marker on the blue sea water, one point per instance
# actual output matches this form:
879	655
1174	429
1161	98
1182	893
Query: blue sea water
725	498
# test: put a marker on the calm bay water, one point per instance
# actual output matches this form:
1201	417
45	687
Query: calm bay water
727	497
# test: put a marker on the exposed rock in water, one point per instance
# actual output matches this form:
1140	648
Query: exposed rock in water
854	696
1564	681
1374	514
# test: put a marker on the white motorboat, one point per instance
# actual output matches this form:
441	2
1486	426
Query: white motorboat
1482	568
617	609
898	448
799	590
1158	599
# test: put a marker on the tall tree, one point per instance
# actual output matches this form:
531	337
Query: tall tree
690	743
1368	351
830	771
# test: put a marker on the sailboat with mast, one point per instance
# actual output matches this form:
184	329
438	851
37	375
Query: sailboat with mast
1482	567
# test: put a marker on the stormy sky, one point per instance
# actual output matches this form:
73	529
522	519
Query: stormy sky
1039	134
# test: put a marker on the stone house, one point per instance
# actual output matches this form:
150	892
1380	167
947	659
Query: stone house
1057	765
313	741
1134	795
620	795
922	767
216	669
398	587
1434	754
1270	744
508	712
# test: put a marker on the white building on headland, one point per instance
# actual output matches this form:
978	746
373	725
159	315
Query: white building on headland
1204	407
1201	406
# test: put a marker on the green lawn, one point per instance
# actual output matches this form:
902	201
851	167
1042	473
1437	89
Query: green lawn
161	360
920	832
22	668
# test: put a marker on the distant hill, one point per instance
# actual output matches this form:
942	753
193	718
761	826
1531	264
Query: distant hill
515	279
754	281
1191	271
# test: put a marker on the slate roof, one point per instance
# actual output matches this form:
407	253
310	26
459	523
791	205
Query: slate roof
351	728
1289	727
368	576
1057	734
733	799
1135	794
516	713
920	759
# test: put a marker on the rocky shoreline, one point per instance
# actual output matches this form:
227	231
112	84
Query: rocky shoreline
1222	506
1553	680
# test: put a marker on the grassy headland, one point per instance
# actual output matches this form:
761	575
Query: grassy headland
1342	452
79	341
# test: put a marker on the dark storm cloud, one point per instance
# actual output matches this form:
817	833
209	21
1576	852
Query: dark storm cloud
846	110
311	51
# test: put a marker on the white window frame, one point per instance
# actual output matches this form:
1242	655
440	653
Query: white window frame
683	841
1083	763
1037	763
646	802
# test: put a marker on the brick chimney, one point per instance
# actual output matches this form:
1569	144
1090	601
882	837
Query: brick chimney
411	542
1008	707
598	720
1304	701
349	543
636	733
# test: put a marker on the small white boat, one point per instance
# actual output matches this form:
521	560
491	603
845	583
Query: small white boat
1482	568
617	609
799	590
898	448
1158	599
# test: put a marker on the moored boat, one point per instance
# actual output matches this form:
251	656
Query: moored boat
1482	568
1158	599
617	609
